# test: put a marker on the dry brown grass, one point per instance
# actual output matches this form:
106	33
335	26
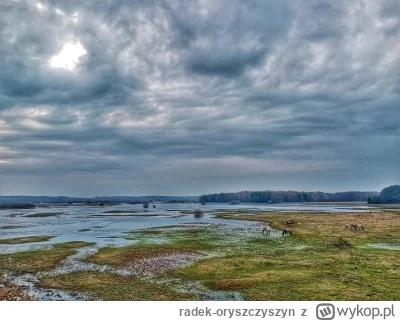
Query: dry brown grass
13	293
382	226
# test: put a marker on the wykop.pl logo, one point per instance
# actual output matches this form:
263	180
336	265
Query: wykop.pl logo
325	311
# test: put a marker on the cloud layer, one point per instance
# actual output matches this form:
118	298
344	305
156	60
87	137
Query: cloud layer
190	97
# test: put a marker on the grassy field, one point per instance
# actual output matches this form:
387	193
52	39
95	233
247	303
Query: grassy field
32	262
39	260
108	286
334	264
320	261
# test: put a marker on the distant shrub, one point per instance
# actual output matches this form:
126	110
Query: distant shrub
342	243
198	214
374	200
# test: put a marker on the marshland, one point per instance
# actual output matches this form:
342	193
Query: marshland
200	252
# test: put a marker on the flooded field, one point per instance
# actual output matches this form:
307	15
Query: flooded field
108	225
126	252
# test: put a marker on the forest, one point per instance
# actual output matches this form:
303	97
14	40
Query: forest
269	196
389	195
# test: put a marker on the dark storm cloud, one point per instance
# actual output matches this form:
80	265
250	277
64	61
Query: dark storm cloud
228	94
223	62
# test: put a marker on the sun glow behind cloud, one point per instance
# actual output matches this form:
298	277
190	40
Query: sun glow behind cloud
40	6
68	57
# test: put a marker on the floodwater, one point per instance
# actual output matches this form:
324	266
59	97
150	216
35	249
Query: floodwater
111	228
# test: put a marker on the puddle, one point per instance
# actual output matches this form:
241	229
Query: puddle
300	247
75	263
9	249
384	246
202	292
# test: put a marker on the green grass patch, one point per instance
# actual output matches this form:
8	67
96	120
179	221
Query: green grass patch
172	240
44	214
27	239
107	286
322	274
194	238
334	265
39	260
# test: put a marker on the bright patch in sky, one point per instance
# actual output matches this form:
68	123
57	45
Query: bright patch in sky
40	6
68	57
75	17
60	12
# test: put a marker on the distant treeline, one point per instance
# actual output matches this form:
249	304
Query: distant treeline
287	196
5	206
389	195
97	199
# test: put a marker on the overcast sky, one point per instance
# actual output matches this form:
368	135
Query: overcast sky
188	97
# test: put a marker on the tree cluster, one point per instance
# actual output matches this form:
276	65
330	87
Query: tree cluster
287	196
389	195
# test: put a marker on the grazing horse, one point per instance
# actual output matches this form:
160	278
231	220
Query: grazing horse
267	230
287	232
290	221
354	226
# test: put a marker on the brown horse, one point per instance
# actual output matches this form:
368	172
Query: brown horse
290	221
287	232
354	226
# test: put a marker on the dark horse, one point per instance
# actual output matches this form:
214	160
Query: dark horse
287	232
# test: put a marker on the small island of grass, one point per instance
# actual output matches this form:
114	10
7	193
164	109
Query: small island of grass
44	214
27	239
